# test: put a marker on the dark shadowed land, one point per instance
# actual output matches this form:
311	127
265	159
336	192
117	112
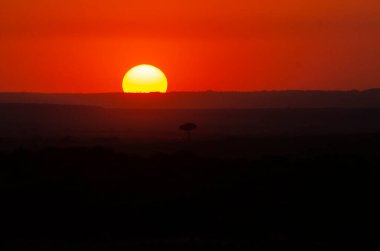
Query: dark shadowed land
81	177
208	100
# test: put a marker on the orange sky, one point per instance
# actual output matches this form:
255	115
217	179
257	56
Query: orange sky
243	45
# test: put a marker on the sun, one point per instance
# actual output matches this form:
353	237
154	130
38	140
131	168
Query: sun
144	79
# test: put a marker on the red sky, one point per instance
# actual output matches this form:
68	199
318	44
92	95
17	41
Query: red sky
242	45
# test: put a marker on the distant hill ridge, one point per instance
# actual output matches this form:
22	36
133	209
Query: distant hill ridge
208	100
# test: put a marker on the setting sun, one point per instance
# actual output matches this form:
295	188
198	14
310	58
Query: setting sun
144	79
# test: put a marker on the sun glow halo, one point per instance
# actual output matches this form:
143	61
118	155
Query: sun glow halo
144	79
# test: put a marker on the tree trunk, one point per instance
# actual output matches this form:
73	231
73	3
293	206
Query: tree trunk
188	136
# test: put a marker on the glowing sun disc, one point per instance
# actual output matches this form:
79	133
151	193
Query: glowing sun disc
144	79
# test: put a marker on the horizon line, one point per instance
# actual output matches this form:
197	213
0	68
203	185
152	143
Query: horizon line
187	92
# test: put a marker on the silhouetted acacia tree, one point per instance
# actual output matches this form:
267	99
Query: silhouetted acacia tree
188	127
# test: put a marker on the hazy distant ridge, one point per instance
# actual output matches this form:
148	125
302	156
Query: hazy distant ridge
208	100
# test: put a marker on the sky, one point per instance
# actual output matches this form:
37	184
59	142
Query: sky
87	46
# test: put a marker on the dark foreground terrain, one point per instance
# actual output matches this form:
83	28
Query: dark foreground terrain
68	189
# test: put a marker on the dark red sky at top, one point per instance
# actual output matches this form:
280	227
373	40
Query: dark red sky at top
243	45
